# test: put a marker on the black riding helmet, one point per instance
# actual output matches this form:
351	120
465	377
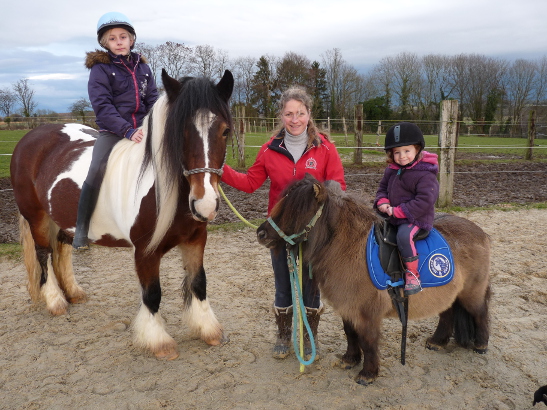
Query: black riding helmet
404	133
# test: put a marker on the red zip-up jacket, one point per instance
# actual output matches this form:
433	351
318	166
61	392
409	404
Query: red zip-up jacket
274	161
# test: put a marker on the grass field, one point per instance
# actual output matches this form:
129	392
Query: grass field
470	144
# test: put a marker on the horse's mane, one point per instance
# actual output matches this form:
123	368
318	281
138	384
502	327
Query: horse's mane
164	144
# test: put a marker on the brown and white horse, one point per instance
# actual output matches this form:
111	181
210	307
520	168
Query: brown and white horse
155	195
335	247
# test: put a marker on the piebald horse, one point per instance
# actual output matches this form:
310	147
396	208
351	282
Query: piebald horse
156	195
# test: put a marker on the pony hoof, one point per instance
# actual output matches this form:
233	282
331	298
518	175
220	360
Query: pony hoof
77	299
364	381
480	350
167	354
346	365
432	346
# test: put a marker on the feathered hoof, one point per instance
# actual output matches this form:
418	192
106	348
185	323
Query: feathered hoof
79	297
60	307
167	354
481	350
220	340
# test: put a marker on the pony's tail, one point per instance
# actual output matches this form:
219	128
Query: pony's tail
465	327
34	271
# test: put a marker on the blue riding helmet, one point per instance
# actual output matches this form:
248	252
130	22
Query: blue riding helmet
114	19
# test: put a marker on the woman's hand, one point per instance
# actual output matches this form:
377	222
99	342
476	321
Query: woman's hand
137	136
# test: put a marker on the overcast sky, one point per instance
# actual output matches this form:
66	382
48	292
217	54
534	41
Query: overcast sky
46	41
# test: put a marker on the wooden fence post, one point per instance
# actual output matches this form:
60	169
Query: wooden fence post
241	137
345	130
447	144
531	134
378	132
358	155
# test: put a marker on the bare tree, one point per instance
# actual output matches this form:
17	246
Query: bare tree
175	58
244	71
520	85
152	56
293	69
332	63
7	101
25	96
80	108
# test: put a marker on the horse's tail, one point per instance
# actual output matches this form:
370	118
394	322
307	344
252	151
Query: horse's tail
34	271
465	327
30	259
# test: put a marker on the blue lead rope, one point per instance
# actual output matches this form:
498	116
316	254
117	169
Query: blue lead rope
293	274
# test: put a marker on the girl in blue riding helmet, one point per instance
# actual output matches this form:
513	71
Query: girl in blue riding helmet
407	193
121	90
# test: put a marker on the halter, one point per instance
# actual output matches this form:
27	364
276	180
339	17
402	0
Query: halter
305	231
217	171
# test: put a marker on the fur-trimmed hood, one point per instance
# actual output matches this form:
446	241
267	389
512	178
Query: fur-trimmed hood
104	57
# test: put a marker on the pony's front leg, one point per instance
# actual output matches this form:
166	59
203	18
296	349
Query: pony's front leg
198	313
352	357
369	337
149	326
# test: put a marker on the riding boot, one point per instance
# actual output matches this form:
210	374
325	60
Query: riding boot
313	316
412	276
283	318
86	205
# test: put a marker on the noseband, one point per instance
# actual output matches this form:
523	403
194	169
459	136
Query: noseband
305	231
217	171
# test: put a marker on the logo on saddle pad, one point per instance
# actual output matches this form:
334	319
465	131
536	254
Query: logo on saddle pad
439	265
436	264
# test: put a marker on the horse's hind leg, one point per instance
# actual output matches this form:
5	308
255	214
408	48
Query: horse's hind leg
198	313
149	326
62	266
472	321
444	331
42	282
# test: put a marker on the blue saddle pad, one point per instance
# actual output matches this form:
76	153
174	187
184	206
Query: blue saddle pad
436	264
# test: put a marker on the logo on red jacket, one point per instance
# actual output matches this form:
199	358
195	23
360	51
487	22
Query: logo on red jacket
311	163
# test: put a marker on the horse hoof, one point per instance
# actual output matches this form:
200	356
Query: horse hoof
220	341
363	381
167	354
77	299
433	347
482	350
346	365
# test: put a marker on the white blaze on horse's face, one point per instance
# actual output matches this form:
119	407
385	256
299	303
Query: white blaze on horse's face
204	207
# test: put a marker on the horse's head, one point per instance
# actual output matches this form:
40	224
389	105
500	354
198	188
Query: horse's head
194	145
295	214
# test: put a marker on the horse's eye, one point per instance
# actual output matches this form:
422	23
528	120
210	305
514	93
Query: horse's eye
227	132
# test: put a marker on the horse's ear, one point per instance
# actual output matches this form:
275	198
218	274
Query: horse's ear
226	85
172	86
317	189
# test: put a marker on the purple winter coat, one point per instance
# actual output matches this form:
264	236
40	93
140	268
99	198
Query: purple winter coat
120	91
413	193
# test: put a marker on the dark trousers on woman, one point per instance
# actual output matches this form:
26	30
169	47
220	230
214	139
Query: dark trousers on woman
283	295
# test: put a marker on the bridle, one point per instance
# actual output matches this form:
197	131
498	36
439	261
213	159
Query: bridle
305	231
217	171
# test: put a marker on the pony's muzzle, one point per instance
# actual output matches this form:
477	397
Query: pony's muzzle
263	238
204	211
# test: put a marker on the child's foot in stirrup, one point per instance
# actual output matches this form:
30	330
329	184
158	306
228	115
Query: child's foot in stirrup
412	283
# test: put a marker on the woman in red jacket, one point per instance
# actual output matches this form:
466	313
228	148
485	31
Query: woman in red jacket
296	149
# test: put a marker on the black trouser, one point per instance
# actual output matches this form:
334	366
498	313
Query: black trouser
101	151
283	295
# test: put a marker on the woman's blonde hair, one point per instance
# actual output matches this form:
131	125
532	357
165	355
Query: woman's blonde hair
299	94
104	38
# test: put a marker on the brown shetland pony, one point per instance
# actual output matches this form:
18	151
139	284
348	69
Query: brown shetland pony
336	247
156	195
